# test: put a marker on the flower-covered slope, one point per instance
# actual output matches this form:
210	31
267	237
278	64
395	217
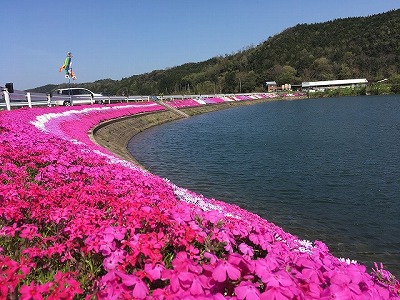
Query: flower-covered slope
77	222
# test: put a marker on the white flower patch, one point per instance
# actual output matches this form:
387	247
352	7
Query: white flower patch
305	246
348	261
41	120
183	195
115	160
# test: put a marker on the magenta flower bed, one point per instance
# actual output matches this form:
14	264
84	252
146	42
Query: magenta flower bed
213	100
78	223
241	98
183	103
231	98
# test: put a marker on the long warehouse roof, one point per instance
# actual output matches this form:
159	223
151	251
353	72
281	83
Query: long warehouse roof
334	82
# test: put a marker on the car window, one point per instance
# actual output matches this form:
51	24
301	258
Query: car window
65	92
83	92
74	92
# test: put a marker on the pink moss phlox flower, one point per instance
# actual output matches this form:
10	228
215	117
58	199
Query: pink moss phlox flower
11	272
163	294
322	248
276	293
245	264
182	263
114	259
265	265
312	290
154	270
67	255
133	241
342	283
111	292
110	288
29	231
246	250
140	289
92	243
386	280
9	230
107	244
224	270
150	245
277	279
196	285
179	281
247	291
65	286
106	241
213	216
262	240
193	252
382	275
34	291
240	232
309	269
358	274
200	285
225	237
33	252
59	214
57	248
182	218
213	258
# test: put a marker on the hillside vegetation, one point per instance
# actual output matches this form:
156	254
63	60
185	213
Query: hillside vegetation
359	47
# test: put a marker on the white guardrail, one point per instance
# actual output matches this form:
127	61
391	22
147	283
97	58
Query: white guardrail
30	99
22	98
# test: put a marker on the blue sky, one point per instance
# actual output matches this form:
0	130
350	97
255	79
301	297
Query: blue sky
121	38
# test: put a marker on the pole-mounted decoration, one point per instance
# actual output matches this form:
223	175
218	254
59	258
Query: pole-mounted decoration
67	67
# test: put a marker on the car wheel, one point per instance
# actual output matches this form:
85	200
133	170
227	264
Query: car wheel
67	103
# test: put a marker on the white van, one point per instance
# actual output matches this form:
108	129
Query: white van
74	95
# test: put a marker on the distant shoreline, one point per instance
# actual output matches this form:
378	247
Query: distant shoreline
114	135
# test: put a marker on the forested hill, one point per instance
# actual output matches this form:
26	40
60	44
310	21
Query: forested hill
360	47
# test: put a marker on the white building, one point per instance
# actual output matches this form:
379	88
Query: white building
331	84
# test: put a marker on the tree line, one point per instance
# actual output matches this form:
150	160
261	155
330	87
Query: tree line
358	47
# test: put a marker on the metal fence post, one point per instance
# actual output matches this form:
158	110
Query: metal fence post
48	100
7	98
28	95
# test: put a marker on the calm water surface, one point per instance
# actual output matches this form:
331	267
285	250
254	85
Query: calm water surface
322	169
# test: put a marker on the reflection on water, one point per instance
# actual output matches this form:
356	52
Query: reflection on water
323	169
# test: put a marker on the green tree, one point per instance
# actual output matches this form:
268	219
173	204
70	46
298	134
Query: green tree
323	69
287	75
395	84
230	83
